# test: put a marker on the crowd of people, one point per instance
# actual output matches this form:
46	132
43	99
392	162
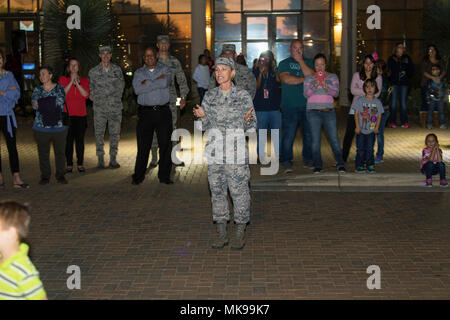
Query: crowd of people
296	92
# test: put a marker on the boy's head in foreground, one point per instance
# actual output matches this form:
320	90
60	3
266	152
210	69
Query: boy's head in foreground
14	223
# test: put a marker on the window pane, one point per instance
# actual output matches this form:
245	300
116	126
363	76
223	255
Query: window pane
314	47
228	5
182	23
365	32
135	56
154	25
393	24
22	5
130	27
179	6
131	6
414	24
228	26
287	27
3	6
2	32
182	51
363	4
415	48
254	49
116	5
316	4
256	4
257	28
315	25
415	4
218	47
286	4
154	6
282	51
389	4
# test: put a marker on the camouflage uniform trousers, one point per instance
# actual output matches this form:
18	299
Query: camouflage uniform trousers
174	110
114	120
234	177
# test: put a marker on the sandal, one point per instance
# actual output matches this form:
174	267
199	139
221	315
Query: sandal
21	186
81	169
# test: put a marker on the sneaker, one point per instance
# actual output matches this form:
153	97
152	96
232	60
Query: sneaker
429	126
379	159
444	183
288	168
443	126
360	170
405	125
392	125
342	169
371	169
308	165
428	183
317	171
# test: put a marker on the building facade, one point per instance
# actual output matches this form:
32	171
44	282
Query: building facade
336	28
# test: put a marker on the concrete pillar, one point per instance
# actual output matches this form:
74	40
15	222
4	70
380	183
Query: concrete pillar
198	22
348	45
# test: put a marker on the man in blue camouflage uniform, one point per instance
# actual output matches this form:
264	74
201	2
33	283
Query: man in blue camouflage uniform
106	86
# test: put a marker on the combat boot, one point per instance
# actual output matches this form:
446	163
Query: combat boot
222	239
101	162
113	163
238	241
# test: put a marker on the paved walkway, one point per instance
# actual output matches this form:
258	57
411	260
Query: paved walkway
153	241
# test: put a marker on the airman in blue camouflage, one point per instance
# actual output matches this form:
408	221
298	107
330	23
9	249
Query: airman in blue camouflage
106	85
228	110
244	76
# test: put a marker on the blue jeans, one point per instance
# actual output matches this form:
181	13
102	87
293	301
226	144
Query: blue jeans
380	136
432	106
201	93
316	120
430	169
290	120
364	149
268	120
399	92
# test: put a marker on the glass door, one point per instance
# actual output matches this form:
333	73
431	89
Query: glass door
269	32
257	37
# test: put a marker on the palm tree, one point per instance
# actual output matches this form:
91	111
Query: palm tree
97	28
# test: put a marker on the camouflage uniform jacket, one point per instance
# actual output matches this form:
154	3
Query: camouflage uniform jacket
225	113
178	73
244	78
106	87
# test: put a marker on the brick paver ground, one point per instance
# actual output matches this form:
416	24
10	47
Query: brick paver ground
153	241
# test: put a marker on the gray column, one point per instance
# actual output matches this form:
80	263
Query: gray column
348	45
198	21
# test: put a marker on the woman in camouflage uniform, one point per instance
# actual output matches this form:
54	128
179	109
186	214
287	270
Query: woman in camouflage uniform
226	110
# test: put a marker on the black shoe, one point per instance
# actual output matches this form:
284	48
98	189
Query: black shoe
342	169
44	181
166	181
81	169
179	165
114	165
134	182
69	170
62	180
317	170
